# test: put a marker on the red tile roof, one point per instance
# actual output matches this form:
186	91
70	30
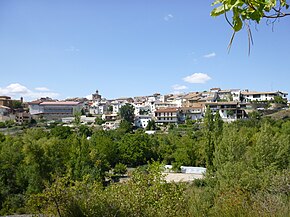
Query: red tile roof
60	103
167	110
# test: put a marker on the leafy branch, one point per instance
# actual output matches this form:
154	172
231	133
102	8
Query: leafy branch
244	11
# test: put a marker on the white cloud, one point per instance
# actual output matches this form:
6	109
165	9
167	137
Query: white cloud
72	49
197	78
89	97
168	17
17	90
210	55
179	87
41	89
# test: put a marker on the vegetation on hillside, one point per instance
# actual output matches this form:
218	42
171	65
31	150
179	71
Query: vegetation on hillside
66	173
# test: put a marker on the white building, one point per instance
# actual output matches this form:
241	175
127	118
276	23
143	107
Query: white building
163	105
229	111
195	170
111	125
98	108
262	96
236	95
195	112
167	115
141	121
176	100
141	109
54	110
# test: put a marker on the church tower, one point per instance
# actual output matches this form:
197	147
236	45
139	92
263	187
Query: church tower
96	96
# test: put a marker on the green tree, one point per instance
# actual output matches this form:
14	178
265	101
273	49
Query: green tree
125	127
279	99
208	127
151	125
136	149
255	115
77	116
218	124
16	104
85	131
110	108
62	132
99	121
120	169
127	112
186	152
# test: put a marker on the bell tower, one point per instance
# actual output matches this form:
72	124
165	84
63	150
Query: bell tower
96	96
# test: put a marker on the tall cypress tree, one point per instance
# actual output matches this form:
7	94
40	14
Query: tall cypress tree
208	126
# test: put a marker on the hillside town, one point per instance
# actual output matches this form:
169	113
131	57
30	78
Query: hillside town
232	104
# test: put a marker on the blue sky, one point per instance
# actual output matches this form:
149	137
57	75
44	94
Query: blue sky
70	48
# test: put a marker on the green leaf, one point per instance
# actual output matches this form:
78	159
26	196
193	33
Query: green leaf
238	24
216	2
218	11
256	16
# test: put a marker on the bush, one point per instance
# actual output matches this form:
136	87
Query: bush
120	169
2	125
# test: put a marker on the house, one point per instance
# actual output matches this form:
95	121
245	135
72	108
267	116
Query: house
156	97
118	103
141	109
191	98
5	101
109	117
229	111
236	95
176	99
215	89
87	120
54	110
141	121
4	110
22	117
208	97
98	108
249	96
195	112
111	125
162	105
167	115
225	95
6	113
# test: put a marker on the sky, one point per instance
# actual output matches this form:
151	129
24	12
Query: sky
126	48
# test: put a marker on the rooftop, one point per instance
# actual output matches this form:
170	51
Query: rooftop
60	103
167	110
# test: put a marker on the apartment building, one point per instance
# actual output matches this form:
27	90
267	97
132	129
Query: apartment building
54	110
167	115
141	121
249	96
228	111
5	101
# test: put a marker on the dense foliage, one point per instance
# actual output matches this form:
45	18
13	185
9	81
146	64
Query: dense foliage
64	172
